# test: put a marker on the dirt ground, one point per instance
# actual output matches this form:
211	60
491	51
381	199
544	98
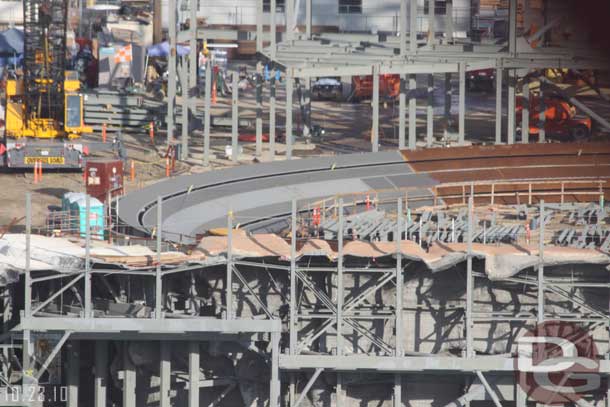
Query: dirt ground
347	127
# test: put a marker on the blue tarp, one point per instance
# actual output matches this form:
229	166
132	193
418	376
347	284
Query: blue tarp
162	50
11	41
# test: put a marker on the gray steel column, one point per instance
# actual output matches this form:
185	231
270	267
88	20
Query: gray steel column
462	105
274	385
88	299
165	374
101	373
27	307
305	84
340	391
308	14
499	78
289	92
184	83
521	395
449	21
235	118
73	376
158	277
399	281
207	113
229	276
541	266
448	96
192	77
412	112
259	25
413	26
431	22
525	114
194	374
397	390
512	27
340	281
272	28
129	378
542	117
402	24
171	79
430	110
272	115
469	281
289	15
259	113
402	111
292	329
375	105
511	106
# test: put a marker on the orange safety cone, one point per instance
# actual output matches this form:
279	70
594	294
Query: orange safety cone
40	171
151	133
104	133
167	166
214	93
132	172
36	172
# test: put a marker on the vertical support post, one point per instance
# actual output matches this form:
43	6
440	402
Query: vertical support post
73	378
289	94
399	282
541	266
192	77
171	80
259	111
430	109
229	288
273	28
235	118
542	117
397	390
158	277
88	299
340	281
469	281
207	113
402	110
402	24
305	86
194	373
274	390
512	27
431	22
101	373
27	307
511	106
448	96
259	25
129	378
525	115
412	112
462	106
308	14
340	391
499	78
293	280
289	14
272	114
165	374
449	22
521	395
375	106
184	82
413	26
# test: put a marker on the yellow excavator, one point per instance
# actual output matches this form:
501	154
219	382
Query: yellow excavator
44	107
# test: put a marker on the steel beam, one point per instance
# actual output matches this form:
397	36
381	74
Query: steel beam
229	273
165	370
88	300
397	390
259	26
289	19
499	77
525	114
402	107
158	275
462	106
512	27
402	24
431	22
273	28
293	334
540	286
275	385
448	96
192	59
235	118
73	375
310	383
184	84
272	114
399	336
511	105
194	374
412	112
489	390
430	109
375	106
308	18
340	293
469	281
171	79
207	113
413	26
101	373
129	378
289	94
259	112
449	22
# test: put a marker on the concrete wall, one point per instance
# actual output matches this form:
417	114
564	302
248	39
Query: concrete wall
376	15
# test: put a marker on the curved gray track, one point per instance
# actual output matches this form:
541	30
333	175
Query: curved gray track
195	203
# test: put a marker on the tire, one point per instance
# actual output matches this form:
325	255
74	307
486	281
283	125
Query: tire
579	133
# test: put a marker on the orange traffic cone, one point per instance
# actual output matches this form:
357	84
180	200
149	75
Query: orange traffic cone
104	133
214	93
36	172
40	171
132	172
167	166
151	133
